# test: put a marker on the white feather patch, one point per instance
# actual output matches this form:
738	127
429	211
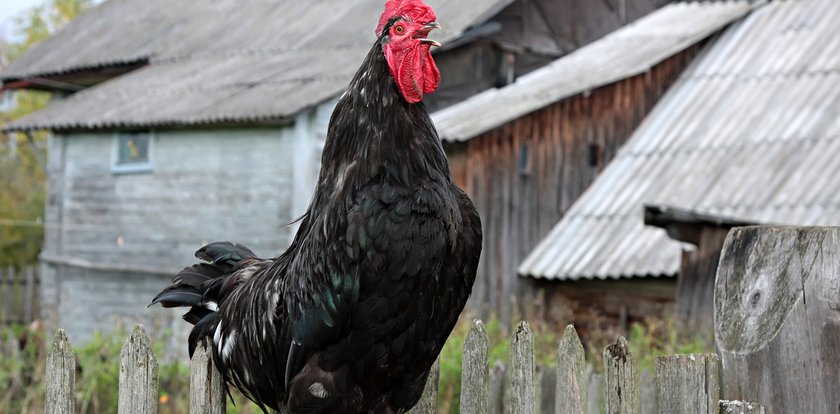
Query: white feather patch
227	348
318	391
218	334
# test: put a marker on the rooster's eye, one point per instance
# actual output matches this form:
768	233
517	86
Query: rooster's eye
400	29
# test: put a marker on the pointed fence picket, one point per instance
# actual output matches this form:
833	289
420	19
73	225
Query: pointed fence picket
684	383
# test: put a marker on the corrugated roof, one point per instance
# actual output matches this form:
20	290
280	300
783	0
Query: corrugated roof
214	61
627	52
751	131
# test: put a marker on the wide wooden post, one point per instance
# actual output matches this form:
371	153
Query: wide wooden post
570	391
777	329
523	383
687	384
207	395
621	389
740	407
475	370
61	376
138	375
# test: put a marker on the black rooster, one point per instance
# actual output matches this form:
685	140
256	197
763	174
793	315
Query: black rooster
351	317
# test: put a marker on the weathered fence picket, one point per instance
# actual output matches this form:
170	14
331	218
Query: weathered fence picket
429	400
570	391
207	394
61	376
687	384
475	370
621	390
522	378
138	392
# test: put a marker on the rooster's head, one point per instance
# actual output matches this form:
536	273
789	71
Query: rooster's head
403	30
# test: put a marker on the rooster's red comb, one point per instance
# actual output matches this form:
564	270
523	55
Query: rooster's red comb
414	10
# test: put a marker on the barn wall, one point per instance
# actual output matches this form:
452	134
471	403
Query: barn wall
696	285
599	307
526	174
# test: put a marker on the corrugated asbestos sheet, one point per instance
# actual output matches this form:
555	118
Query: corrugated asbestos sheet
751	131
225	60
620	55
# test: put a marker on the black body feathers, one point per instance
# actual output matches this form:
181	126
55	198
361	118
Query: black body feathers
351	317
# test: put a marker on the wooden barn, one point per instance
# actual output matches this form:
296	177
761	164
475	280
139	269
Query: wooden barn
527	151
749	134
187	122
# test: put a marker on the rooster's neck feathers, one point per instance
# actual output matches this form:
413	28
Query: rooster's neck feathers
375	132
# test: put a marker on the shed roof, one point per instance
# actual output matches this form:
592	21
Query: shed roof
627	52
751	131
213	62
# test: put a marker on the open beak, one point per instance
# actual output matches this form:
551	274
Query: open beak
425	31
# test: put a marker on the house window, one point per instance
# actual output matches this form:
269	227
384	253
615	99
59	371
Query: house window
133	152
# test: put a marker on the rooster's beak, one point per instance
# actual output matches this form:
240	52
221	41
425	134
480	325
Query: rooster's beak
428	28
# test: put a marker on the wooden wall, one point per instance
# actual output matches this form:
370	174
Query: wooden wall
525	175
600	306
696	282
113	240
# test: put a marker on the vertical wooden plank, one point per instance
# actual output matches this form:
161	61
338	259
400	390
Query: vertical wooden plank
498	390
429	400
522	398
475	370
594	390
29	296
10	295
60	377
570	395
740	407
687	384
207	393
138	375
621	390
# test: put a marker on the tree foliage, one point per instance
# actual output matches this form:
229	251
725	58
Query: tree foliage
22	175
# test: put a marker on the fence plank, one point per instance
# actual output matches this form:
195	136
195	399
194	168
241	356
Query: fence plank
475	370
776	324
621	389
740	407
498	402
207	395
522	398
138	375
429	400
570	394
687	384
29	296
60	377
10	295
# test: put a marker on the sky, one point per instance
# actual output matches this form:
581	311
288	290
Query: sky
9	9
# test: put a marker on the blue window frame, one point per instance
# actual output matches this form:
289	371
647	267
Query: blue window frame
133	152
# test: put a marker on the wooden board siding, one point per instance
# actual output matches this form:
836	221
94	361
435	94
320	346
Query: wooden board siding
205	186
526	174
696	283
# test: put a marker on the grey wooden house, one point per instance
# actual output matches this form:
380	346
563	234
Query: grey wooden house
749	134
184	122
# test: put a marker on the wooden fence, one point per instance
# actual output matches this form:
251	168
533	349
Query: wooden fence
776	331
19	292
683	383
